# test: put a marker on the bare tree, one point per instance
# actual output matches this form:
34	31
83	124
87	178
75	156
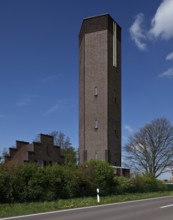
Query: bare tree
3	155
150	150
60	139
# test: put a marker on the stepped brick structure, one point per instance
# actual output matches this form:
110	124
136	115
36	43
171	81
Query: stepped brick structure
43	152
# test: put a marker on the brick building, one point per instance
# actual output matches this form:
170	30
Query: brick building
100	90
43	152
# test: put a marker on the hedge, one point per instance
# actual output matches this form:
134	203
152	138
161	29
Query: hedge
30	182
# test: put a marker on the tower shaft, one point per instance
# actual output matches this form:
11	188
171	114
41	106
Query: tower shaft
100	90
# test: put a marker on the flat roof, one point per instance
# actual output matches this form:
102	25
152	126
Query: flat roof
100	15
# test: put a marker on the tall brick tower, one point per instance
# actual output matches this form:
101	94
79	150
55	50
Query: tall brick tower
100	90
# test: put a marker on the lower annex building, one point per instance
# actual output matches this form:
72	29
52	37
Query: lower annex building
43	152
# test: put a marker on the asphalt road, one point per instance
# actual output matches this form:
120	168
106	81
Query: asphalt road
152	209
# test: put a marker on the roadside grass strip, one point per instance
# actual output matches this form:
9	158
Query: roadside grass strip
41	208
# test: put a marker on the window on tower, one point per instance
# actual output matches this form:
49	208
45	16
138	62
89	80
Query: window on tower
95	91
96	156
96	124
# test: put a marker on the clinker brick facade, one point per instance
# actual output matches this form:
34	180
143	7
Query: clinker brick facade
43	152
100	90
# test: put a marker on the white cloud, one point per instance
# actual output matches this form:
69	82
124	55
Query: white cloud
139	147
137	32
167	74
24	102
129	129
161	24
49	79
53	109
170	56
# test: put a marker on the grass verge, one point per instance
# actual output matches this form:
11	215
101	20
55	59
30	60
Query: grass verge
38	207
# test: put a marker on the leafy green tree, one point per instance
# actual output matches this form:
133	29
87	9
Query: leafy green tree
3	184
99	174
11	184
25	174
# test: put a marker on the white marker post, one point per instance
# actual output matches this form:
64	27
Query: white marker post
98	197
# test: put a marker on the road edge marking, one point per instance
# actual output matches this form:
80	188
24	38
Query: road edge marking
166	206
87	207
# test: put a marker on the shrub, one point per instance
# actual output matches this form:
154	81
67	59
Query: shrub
29	182
147	183
99	174
3	184
124	185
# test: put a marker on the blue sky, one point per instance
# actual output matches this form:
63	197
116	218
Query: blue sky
39	64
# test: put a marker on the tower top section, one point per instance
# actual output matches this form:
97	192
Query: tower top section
96	23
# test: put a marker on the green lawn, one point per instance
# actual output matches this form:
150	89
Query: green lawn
38	207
